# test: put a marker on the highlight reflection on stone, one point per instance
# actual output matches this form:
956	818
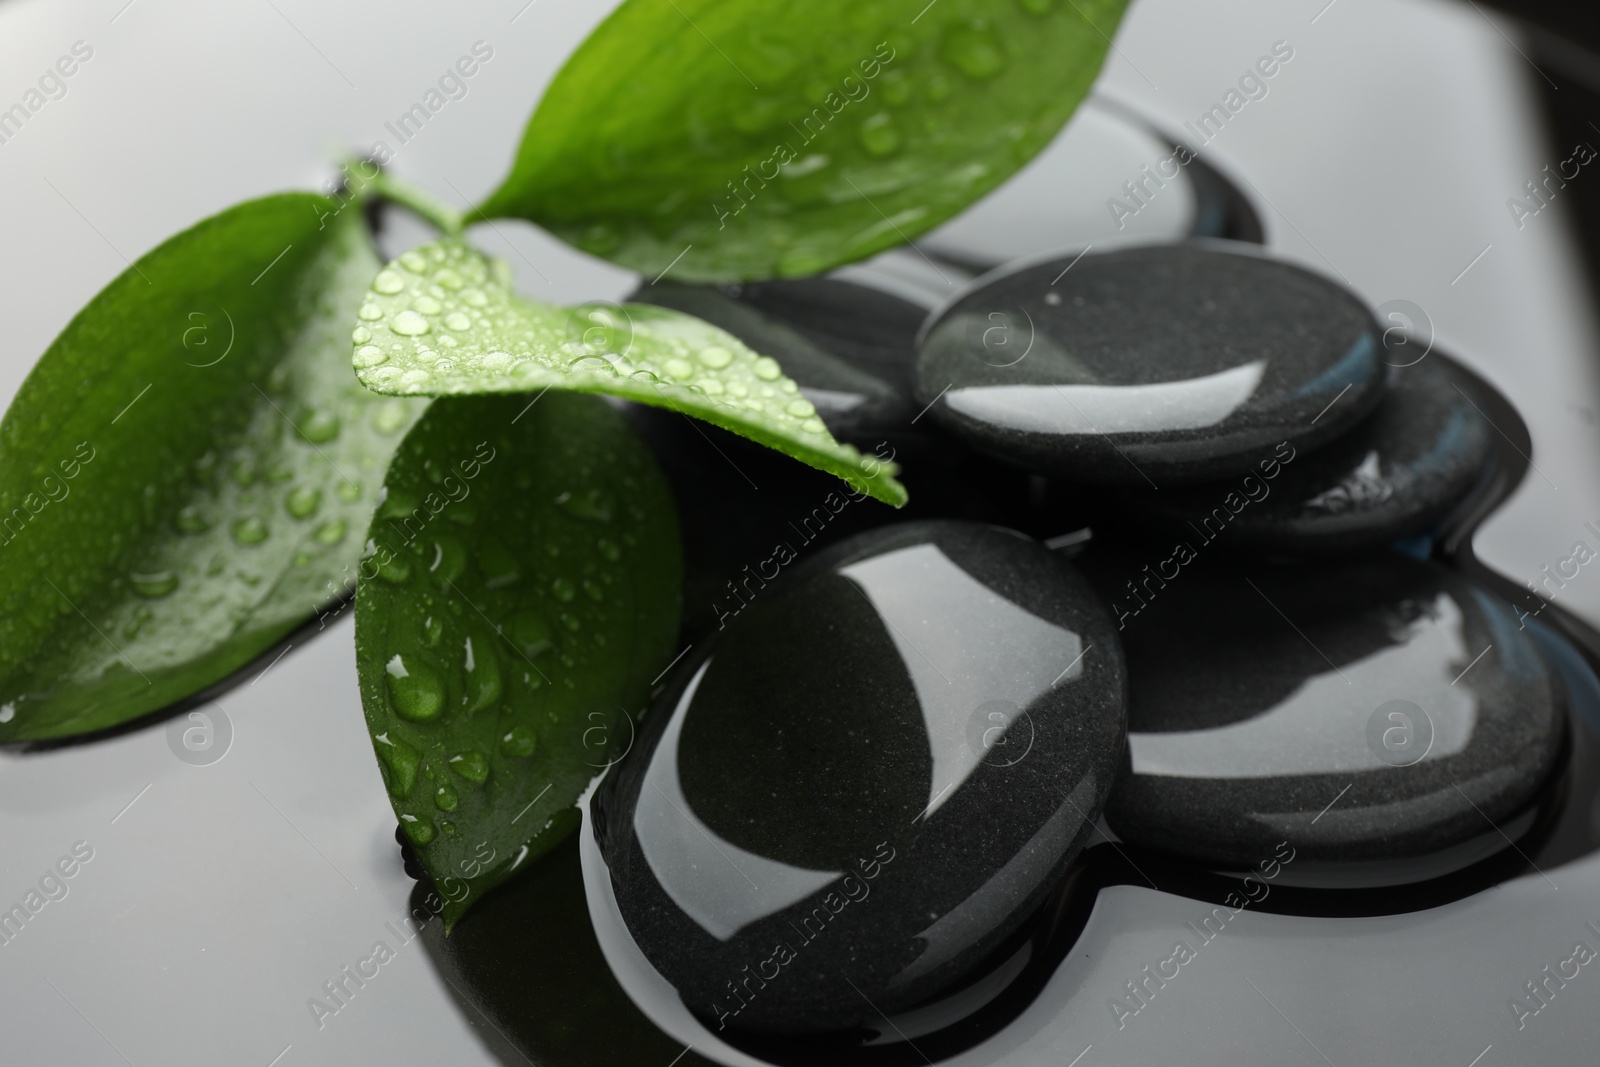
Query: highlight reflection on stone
1151	365
1385	716
869	781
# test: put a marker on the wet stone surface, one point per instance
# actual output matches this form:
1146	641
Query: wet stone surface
869	782
1151	366
1406	468
1385	716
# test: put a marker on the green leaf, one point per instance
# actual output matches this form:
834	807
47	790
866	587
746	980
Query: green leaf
743	139
185	474
520	593
444	320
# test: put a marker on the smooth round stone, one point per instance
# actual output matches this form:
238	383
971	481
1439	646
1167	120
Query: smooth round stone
1405	469
1151	366
869	782
850	399
1385	717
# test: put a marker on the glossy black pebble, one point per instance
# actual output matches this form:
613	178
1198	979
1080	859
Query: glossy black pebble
1151	366
872	778
1384	716
852	400
1406	467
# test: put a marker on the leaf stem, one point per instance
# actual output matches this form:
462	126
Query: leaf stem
419	202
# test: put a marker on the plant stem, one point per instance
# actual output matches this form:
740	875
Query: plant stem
420	203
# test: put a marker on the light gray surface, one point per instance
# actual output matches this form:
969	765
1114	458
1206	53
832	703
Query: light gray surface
223	898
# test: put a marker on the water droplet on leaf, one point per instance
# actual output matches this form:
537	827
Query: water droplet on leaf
415	690
400	761
250	531
153	584
303	501
473	766
973	47
409	324
519	741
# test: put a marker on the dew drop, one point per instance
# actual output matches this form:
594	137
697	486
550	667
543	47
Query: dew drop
320	426
432	631
369	313
563	589
409	324
447	559
400	762
879	136
498	566
394	569
593	591
800	408
484	679
415	690
593	504
896	87
153	584
715	356
444	798
418	831
474	298
349	492
457	321
449	279
303	501
518	741
427	305
330	533
680	368
973	47
192	520
388	283
414	261
473	766
360	335
250	531
608	548
814	426
571	622
530	633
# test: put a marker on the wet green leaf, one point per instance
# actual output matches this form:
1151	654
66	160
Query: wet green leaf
520	593
741	139
185	475
444	320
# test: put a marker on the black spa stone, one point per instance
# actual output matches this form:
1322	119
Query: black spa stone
1151	366
869	782
1385	717
854	402
1407	467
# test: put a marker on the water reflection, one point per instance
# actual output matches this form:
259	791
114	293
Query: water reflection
1190	404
